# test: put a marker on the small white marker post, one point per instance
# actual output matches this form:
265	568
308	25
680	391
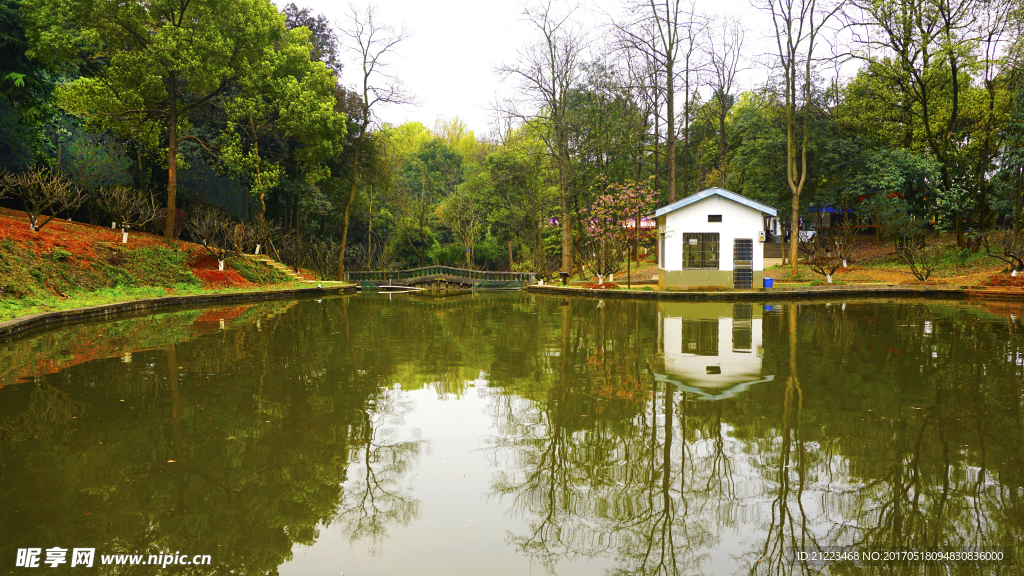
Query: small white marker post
220	265
257	252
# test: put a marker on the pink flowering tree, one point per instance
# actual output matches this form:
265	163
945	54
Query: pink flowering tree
608	234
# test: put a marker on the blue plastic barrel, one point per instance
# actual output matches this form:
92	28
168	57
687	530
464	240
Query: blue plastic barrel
768	282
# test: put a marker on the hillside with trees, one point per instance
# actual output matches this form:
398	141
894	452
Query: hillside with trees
910	115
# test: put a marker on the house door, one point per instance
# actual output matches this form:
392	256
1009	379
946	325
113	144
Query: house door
743	264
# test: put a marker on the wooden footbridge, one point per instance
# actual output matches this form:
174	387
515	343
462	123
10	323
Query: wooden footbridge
441	278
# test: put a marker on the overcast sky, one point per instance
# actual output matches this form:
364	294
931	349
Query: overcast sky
454	47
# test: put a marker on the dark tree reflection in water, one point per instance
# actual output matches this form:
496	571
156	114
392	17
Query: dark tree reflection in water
590	436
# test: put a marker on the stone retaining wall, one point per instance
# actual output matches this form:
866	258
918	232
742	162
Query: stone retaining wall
46	319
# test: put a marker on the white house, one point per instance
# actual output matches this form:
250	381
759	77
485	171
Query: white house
713	350
712	239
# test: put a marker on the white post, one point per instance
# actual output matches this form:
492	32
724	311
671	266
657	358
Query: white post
257	252
220	265
844	262
113	225
611	277
829	278
124	236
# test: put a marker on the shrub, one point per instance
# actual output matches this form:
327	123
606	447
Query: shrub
58	253
921	258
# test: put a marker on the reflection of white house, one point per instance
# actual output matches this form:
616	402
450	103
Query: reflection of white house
713	350
712	238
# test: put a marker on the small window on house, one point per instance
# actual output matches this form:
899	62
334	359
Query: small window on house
714	217
700	251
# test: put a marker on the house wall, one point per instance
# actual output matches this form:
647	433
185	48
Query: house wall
738	221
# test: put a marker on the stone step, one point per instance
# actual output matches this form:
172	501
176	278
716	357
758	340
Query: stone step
283	268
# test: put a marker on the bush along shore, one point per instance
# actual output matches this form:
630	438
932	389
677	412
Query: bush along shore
68	265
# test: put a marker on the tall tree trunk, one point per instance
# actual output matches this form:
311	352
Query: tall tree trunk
1019	212
566	232
369	229
353	181
670	140
172	160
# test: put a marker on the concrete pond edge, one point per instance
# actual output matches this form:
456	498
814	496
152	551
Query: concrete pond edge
790	294
31	322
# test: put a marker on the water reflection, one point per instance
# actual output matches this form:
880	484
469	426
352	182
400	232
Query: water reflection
710	350
590	437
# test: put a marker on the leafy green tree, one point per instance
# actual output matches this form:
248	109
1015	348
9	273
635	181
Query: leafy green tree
897	189
1012	169
288	96
519	199
462	213
149	64
25	91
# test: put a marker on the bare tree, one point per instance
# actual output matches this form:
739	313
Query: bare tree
214	229
5	188
826	252
1009	250
130	207
42	190
919	256
724	47
373	43
546	70
669	33
798	24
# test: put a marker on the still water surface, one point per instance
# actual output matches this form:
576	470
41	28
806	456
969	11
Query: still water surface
515	434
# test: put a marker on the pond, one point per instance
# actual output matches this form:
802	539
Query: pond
516	434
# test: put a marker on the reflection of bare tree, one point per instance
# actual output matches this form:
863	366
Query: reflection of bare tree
50	410
375	497
593	487
788	528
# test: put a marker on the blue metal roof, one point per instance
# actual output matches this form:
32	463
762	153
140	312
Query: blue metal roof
711	192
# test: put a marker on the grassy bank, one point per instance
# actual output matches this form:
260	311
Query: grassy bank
71	265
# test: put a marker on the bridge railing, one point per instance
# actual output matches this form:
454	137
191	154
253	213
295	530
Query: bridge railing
478	275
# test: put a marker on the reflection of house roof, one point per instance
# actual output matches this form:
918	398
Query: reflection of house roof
709	394
715	192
